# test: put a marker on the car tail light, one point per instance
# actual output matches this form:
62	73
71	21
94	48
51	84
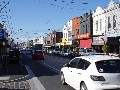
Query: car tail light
97	78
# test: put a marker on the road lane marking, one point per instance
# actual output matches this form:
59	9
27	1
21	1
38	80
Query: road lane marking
35	84
53	68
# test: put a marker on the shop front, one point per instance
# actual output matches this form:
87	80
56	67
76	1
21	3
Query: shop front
85	41
113	43
98	42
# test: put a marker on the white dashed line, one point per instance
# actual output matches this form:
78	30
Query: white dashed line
56	70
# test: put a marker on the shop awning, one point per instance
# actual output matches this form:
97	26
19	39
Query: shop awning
86	43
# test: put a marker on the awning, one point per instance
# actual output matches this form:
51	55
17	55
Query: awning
86	43
97	41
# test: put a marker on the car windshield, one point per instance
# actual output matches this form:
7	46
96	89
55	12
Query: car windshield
57	49
82	50
108	66
29	51
90	50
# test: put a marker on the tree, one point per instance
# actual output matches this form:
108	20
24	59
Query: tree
105	48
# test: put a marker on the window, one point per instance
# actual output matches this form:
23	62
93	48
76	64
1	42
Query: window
100	24
83	64
108	66
86	28
109	25
64	35
74	62
96	25
114	22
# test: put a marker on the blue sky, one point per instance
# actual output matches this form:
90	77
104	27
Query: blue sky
35	17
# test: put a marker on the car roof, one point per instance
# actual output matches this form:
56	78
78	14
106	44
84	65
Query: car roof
95	58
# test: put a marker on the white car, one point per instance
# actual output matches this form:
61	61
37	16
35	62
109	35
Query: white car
87	51
56	51
64	53
93	72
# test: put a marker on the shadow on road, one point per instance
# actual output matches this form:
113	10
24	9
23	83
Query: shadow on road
38	68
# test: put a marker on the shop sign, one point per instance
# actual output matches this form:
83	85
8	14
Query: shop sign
66	43
2	34
84	36
64	39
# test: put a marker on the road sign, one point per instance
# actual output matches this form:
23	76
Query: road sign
2	34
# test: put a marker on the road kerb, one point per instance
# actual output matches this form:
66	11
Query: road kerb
35	84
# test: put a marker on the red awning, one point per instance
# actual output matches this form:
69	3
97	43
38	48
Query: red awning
86	43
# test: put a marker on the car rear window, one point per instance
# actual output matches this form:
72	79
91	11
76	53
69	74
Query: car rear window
38	52
12	53
108	66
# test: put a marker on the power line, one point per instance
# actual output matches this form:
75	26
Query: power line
5	6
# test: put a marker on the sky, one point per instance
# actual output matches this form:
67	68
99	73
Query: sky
28	19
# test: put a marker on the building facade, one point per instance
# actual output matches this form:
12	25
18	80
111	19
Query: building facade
106	27
67	34
112	13
75	31
86	30
4	44
98	28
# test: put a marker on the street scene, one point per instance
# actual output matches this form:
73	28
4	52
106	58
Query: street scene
59	45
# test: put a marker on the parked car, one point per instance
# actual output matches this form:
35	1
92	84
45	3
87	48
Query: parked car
93	72
38	55
56	51
64	53
86	51
28	52
14	56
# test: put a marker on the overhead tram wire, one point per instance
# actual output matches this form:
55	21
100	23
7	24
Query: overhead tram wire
4	17
62	1
5	5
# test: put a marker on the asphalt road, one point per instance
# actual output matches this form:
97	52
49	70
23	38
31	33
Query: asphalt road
47	71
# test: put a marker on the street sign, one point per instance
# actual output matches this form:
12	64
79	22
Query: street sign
2	34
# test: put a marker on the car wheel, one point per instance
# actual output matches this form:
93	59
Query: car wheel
63	79
83	86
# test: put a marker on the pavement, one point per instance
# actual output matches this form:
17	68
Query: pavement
14	76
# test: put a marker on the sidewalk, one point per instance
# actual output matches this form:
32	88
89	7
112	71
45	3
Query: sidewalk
14	77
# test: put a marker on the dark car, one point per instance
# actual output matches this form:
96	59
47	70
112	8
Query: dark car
38	55
28	52
14	56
